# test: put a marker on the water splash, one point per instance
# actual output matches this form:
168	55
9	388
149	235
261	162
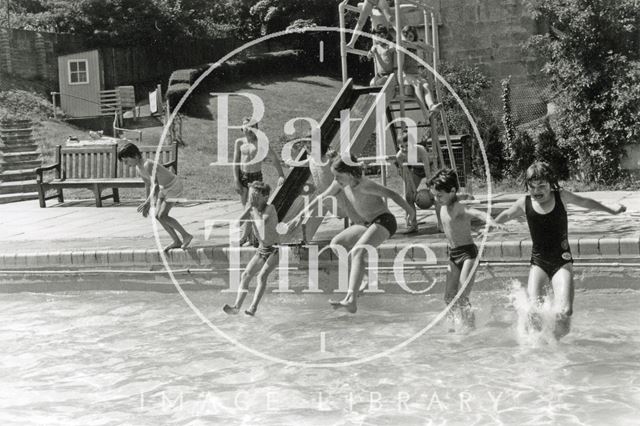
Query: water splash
535	322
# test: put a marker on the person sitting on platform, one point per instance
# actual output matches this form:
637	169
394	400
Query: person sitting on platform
366	12
383	55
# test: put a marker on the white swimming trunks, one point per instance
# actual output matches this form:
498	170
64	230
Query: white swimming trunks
173	190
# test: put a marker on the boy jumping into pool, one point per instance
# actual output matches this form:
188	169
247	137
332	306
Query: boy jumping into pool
366	196
264	218
551	259
456	221
244	174
166	188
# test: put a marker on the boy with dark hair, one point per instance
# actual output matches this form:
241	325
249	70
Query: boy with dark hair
456	221
166	188
264	219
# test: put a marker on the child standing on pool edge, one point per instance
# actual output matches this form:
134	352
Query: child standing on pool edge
456	222
551	259
264	218
165	189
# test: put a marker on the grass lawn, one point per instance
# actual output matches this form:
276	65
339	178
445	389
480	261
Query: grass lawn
285	97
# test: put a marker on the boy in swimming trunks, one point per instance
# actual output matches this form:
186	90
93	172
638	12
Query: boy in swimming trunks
366	12
323	178
244	174
551	259
264	218
166	188
413	174
367	198
456	221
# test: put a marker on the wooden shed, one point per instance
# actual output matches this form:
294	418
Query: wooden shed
81	81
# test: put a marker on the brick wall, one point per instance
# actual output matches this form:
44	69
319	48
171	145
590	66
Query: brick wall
33	55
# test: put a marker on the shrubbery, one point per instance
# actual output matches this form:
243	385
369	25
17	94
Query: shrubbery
593	65
22	104
470	84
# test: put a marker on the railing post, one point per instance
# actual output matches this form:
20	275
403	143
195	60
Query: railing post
343	42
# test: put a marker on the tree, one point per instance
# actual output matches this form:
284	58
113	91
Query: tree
277	15
593	64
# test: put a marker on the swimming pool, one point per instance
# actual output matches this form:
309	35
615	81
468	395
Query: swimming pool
144	358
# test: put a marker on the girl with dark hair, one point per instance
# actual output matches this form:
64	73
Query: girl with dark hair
551	260
367	198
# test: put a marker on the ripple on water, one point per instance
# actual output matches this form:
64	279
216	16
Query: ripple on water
127	358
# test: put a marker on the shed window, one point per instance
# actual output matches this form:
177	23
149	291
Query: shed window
78	73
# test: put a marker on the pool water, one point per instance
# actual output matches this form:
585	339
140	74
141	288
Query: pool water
145	358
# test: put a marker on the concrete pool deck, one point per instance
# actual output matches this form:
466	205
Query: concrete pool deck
76	235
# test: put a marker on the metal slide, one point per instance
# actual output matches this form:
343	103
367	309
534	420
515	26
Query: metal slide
361	102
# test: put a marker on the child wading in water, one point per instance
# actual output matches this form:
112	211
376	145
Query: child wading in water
244	174
456	221
165	189
366	197
551	260
264	219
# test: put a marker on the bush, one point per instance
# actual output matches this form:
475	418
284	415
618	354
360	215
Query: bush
593	65
23	104
470	84
547	149
524	153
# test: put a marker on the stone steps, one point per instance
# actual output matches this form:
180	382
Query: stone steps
21	165
20	196
19	157
21	147
18	186
16	175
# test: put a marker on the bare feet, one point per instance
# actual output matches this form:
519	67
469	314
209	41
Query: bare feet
187	241
349	306
435	108
562	326
173	245
251	311
230	310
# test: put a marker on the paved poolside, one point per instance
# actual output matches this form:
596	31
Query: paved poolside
78	234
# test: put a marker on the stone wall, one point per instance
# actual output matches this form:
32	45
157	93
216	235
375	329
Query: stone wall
490	34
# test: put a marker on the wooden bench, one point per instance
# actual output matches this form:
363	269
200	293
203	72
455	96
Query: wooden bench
97	168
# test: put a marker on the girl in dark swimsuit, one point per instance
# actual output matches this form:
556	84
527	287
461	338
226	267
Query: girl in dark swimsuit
551	259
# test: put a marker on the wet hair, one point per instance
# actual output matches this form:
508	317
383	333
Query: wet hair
341	166
410	29
129	151
541	171
261	188
445	180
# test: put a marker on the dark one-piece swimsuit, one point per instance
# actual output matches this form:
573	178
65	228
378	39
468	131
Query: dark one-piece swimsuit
550	236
